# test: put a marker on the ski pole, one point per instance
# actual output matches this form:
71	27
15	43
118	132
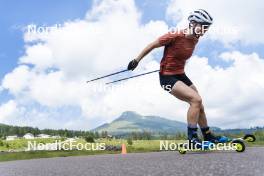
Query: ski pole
133	77
107	75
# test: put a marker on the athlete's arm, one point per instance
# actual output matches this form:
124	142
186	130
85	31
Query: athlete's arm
148	49
133	64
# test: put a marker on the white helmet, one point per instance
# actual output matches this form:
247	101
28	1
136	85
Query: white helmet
201	16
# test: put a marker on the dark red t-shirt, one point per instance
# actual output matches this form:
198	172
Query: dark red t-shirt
178	48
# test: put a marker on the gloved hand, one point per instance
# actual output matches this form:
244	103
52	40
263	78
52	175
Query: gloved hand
132	64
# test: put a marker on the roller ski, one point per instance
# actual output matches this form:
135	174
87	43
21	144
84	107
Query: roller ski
209	136
213	143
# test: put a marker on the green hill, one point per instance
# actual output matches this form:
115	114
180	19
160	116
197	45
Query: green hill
128	122
132	122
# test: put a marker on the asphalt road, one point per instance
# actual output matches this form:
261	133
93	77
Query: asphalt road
249	163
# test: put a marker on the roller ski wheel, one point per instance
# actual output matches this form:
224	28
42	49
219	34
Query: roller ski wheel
182	150
240	145
249	138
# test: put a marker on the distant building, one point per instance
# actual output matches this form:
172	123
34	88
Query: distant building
70	140
28	136
43	136
11	138
56	137
109	136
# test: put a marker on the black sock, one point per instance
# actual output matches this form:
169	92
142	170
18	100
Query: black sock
205	130
192	133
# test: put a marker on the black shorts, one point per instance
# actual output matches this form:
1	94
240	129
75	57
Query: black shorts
168	81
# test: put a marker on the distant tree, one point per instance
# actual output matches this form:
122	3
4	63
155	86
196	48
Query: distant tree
146	135
134	135
104	134
164	136
181	136
96	135
129	141
89	139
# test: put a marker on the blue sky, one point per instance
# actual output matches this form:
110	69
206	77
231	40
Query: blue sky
48	12
14	15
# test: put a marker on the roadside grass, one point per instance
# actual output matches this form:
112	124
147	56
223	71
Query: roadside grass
48	154
23	143
256	144
136	147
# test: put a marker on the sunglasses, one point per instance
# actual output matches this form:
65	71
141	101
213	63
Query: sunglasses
205	26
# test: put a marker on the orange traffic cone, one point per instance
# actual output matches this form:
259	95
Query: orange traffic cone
124	151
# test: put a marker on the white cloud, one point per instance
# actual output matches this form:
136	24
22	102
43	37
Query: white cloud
232	95
242	16
8	110
55	67
38	55
17	80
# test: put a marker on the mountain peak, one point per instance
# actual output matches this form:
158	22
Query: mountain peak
128	115
131	121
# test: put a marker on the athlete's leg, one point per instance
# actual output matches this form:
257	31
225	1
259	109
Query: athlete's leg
202	121
187	94
208	135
